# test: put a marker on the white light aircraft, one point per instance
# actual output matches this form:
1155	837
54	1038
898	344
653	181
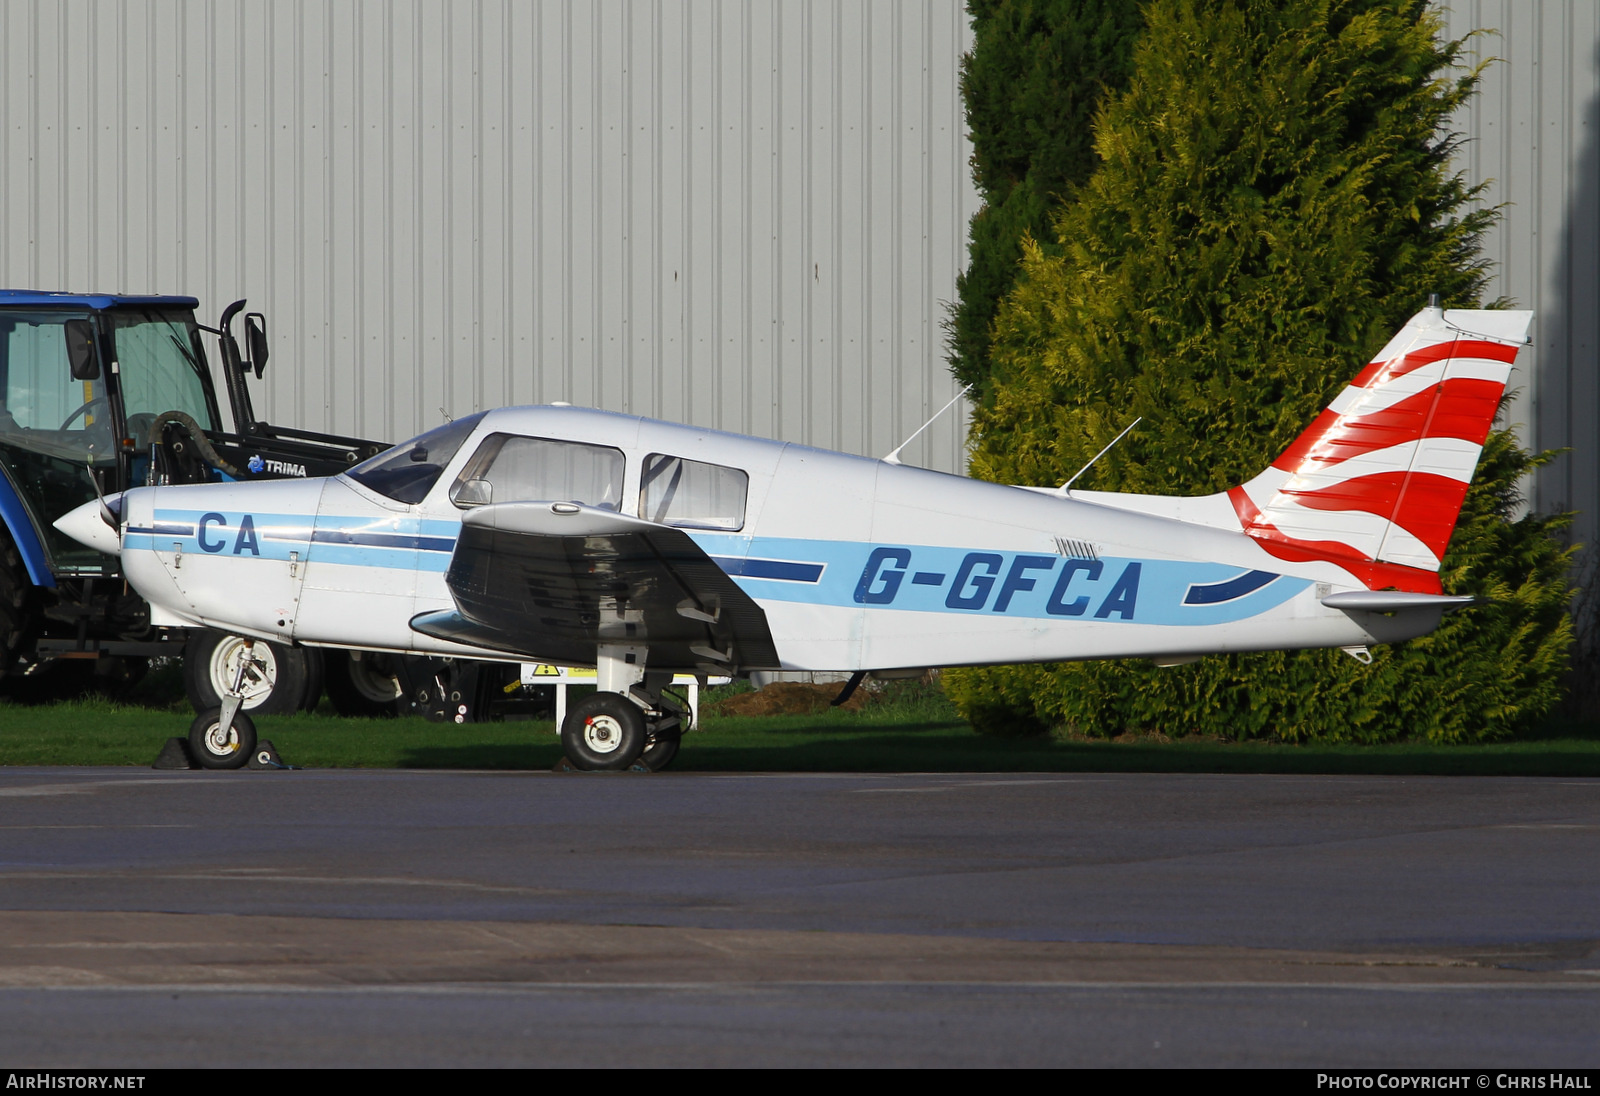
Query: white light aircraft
586	538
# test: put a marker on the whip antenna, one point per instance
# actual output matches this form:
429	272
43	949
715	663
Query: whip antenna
1062	490
894	457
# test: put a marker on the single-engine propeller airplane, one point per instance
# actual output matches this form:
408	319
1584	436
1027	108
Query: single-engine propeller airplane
582	537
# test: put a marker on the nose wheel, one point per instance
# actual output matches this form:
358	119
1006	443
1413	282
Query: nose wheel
216	744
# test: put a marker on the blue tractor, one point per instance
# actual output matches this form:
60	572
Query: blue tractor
101	392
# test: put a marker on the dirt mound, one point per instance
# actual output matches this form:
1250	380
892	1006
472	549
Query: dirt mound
790	698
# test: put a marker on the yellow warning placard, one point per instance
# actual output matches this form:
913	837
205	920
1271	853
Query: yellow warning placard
543	673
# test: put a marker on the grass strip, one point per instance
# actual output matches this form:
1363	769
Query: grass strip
904	738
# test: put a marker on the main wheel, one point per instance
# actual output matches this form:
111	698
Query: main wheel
365	686
603	732
276	686
661	747
215	750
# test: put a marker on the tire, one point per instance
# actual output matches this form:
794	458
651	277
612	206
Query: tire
367	687
208	748
603	733
53	680
316	677
660	748
116	677
19	609
210	657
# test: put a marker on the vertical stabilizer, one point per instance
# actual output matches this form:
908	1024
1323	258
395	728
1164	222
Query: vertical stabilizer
1377	482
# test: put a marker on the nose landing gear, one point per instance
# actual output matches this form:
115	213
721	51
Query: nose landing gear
224	738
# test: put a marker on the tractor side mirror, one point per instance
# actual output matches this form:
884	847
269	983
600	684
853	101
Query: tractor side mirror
80	350
255	341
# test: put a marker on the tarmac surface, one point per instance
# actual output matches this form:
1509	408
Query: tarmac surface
460	918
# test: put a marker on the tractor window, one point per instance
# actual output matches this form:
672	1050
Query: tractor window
45	410
408	472
507	468
160	368
691	494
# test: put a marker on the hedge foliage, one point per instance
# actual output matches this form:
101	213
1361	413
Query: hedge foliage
1273	201
1032	82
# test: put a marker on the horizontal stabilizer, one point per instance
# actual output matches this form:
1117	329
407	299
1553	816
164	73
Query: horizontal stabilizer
1393	601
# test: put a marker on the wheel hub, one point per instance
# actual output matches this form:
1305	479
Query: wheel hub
602	734
220	743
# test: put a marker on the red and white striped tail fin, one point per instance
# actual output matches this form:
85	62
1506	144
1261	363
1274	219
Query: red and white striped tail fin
1376	483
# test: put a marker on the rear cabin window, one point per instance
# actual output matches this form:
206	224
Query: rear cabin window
508	468
691	494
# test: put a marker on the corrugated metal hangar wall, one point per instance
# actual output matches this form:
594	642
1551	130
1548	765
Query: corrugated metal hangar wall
746	215
1533	134
742	215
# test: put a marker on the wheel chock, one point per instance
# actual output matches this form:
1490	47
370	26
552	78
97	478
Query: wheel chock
266	757
565	766
175	755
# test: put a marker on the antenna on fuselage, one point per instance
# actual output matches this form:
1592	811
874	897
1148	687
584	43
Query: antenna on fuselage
894	457
1062	490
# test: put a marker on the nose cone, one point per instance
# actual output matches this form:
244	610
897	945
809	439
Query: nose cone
87	526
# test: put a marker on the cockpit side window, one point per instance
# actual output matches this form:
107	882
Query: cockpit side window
408	472
691	494
510	468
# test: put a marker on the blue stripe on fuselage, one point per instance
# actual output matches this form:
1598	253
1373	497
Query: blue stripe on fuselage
409	542
782	570
1217	592
1043	586
919	578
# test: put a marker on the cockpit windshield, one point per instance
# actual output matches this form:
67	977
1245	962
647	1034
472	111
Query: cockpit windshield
408	472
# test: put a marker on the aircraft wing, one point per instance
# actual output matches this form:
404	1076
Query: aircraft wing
552	581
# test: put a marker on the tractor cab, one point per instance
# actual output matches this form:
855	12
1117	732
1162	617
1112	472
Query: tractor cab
120	385
98	394
82	382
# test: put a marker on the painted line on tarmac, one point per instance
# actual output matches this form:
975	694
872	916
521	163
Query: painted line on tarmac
451	989
260	875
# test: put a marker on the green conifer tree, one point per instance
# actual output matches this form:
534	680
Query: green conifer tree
1275	199
1031	84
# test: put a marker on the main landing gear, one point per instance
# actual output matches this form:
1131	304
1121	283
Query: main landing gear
627	724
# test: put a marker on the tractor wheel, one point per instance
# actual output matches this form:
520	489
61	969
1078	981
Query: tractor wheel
19	608
367	686
274	684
